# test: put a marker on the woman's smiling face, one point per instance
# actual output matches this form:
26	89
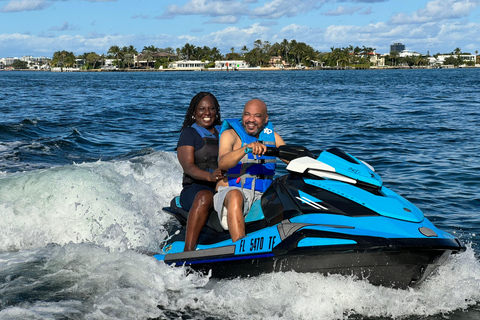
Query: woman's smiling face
205	113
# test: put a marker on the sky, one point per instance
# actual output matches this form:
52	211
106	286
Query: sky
41	27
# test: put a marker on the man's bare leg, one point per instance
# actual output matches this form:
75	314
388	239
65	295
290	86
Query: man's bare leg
236	223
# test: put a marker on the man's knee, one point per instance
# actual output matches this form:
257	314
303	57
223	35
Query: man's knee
204	197
234	197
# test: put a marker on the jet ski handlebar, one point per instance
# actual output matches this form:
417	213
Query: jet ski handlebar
286	152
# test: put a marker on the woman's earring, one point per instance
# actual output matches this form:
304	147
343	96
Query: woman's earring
193	117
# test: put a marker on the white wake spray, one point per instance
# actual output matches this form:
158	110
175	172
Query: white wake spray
115	203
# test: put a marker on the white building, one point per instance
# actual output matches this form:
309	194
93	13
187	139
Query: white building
465	57
231	64
8	61
408	53
189	65
109	65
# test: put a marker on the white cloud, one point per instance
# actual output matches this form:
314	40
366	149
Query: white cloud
25	5
33	5
205	8
224	19
438	10
272	9
47	44
141	16
64	27
341	10
228	37
367	11
276	9
295	29
232	36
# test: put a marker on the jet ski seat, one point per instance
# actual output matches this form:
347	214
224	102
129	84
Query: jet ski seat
176	210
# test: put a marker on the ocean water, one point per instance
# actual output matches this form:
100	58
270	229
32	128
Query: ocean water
87	161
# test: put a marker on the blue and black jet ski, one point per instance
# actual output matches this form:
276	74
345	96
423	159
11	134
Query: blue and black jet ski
331	215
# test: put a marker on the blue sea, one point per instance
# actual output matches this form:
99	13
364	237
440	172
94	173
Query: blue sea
87	161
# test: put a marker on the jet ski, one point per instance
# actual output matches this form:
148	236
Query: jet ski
329	214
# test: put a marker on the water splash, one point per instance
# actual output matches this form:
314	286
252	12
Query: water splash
115	203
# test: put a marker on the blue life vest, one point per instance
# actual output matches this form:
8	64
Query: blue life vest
203	132
252	172
206	158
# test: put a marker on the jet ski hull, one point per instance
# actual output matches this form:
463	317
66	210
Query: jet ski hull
398	263
398	269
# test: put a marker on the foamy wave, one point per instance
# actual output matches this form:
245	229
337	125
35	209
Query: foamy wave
96	283
115	203
291	295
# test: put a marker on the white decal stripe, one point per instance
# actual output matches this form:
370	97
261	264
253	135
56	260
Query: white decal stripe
311	203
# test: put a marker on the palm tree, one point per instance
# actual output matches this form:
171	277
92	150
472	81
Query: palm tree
151	48
285	47
148	56
133	52
215	54
115	51
92	59
394	56
128	59
188	50
244	50
131	49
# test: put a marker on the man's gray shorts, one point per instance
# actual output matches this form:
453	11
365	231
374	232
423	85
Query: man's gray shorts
219	198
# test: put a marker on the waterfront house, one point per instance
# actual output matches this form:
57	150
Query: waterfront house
277	62
141	62
231	64
189	65
465	57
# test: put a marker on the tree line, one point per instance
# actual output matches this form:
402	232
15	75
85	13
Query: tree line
290	53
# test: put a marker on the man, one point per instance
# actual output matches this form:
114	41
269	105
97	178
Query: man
249	174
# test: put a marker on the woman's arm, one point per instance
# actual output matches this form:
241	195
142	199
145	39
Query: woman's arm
186	157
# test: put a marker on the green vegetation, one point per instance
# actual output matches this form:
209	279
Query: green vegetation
286	53
20	65
63	59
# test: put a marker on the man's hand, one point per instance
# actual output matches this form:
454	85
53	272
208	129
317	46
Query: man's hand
258	149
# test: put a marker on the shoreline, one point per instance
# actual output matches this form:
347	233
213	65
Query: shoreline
251	69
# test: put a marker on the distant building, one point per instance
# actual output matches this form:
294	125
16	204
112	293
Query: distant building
189	65
32	59
231	64
108	64
277	62
141	62
8	61
440	59
376	59
408	53
79	63
397	47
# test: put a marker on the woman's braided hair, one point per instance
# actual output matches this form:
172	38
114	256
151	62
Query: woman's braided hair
189	117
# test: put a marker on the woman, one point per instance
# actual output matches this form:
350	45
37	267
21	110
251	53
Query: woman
197	151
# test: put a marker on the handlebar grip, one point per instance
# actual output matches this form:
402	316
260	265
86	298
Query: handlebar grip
271	151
